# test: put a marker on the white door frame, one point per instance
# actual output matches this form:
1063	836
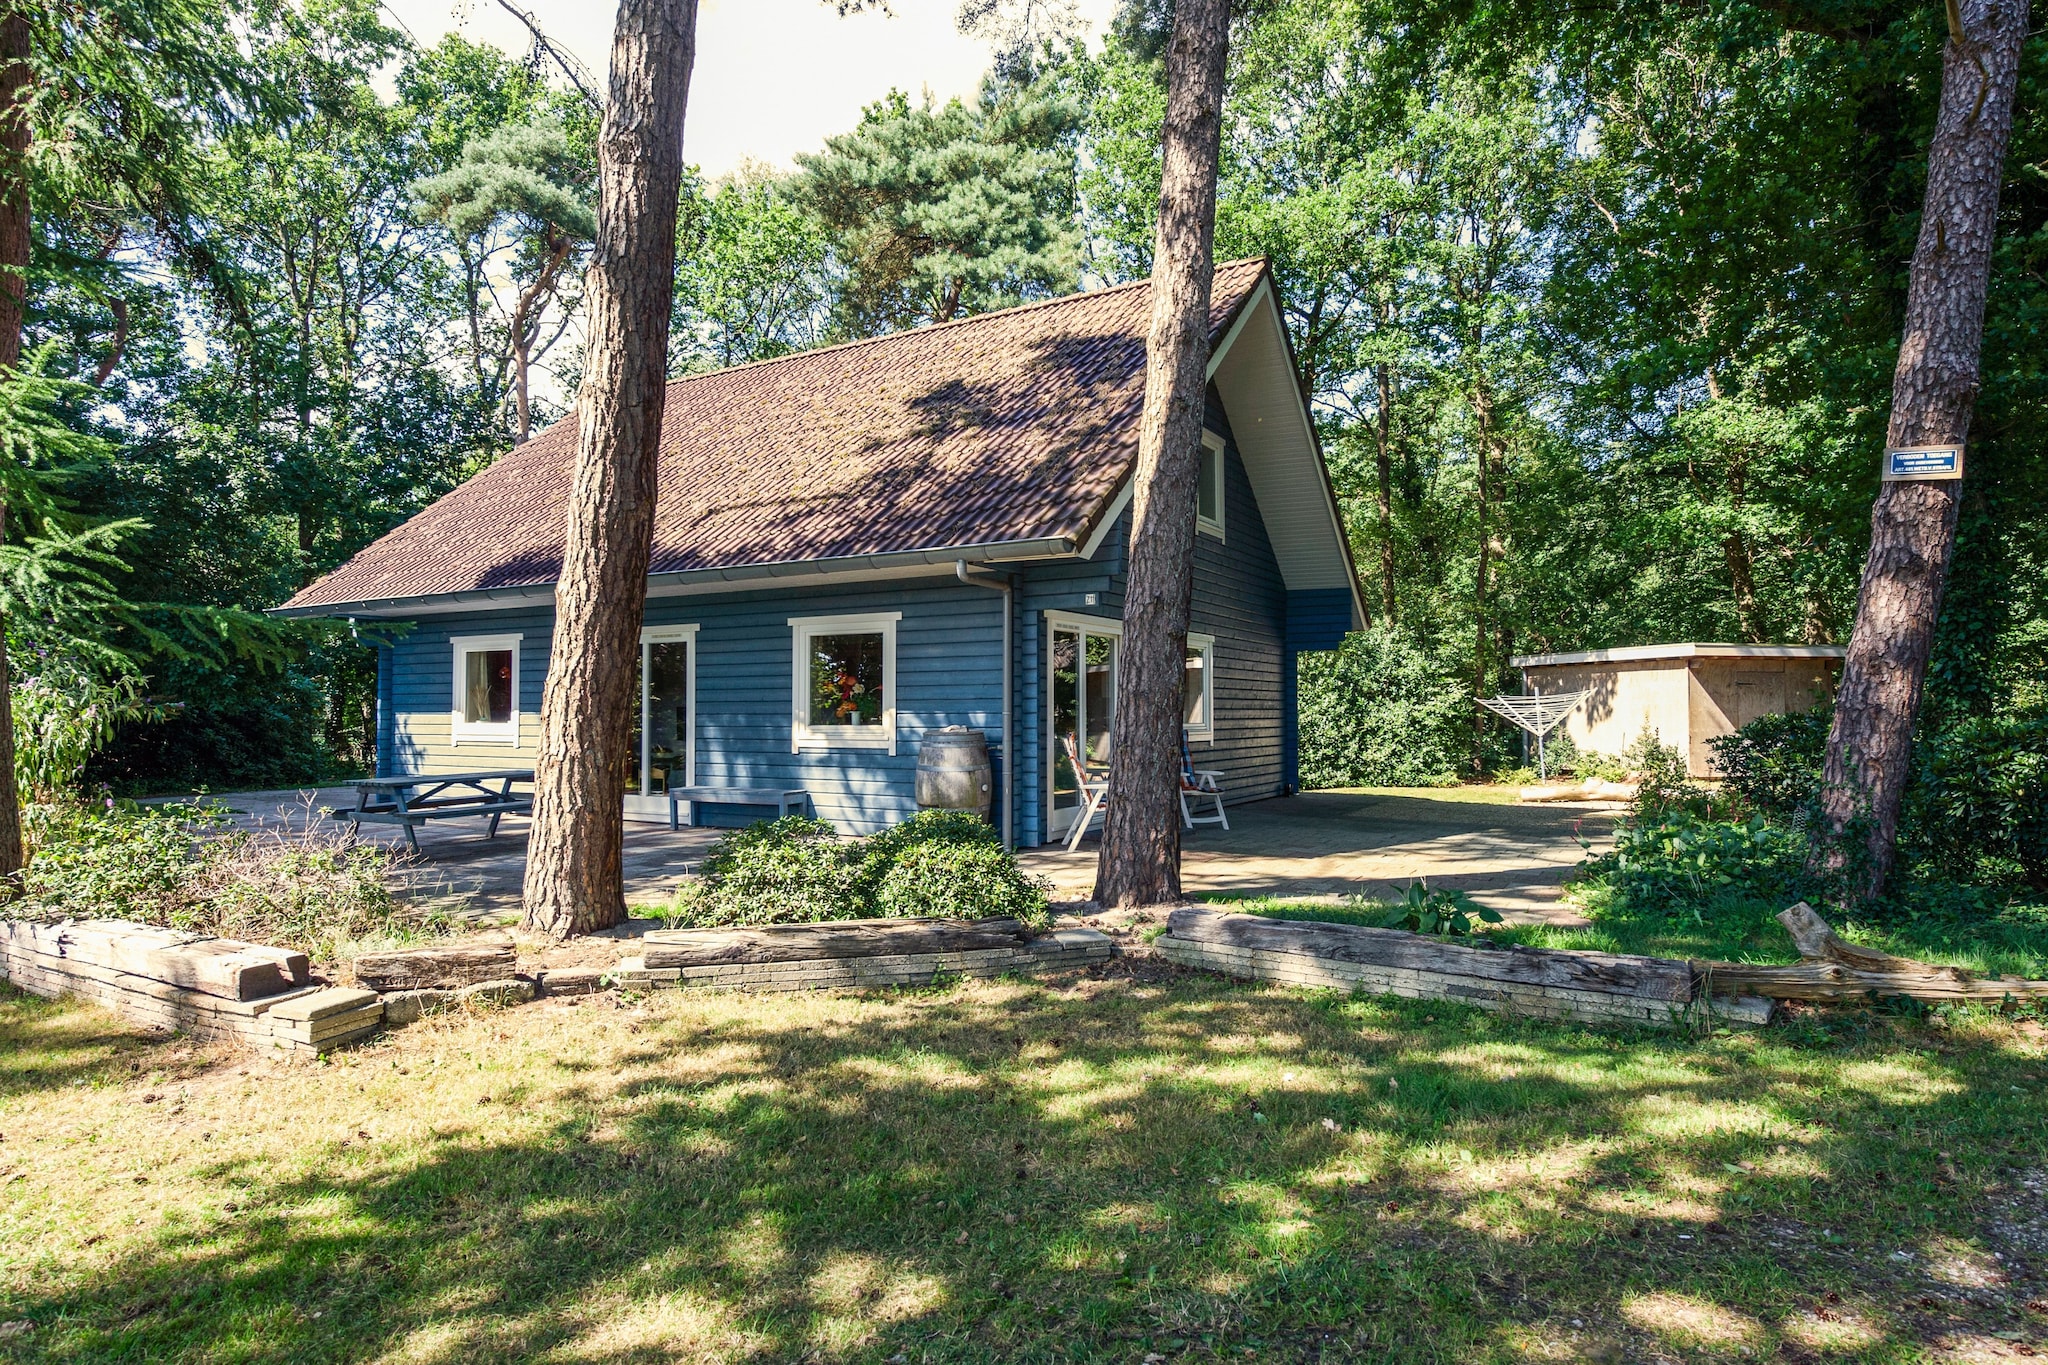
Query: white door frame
641	805
1059	822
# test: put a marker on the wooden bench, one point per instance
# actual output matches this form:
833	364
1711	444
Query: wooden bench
784	799
414	800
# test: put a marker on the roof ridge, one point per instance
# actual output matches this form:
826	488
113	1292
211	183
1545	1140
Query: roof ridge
1014	309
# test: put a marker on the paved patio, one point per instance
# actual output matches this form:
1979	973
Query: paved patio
1327	844
1317	845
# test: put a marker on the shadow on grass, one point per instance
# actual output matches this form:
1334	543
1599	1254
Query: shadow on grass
1098	1170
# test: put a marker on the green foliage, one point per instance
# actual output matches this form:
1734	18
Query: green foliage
942	211
754	273
1773	763
1379	712
960	880
1441	911
794	870
187	867
1977	808
787	871
527	171
1675	861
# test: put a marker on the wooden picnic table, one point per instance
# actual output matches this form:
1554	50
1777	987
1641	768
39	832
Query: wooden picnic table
413	799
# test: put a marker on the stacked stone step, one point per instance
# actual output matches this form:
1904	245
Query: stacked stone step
210	988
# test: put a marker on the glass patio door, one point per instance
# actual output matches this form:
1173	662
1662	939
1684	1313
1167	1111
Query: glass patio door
664	735
1083	710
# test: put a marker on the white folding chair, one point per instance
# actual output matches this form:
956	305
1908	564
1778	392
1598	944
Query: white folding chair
1198	785
1094	791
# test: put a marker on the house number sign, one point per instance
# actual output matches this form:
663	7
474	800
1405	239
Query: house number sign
1923	462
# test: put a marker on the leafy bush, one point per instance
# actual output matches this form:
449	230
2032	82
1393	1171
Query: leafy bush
1977	807
1379	712
794	870
969	880
1444	912
786	871
187	867
1675	860
1773	763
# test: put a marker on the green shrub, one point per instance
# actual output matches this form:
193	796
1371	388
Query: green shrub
295	885
786	871
794	870
966	880
1977	808
1674	860
1379	712
1773	763
880	852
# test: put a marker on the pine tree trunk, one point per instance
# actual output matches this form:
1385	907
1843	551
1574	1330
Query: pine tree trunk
1141	833
1384	437
14	253
574	882
1934	390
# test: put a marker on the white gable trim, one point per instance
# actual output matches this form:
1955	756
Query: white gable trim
1254	373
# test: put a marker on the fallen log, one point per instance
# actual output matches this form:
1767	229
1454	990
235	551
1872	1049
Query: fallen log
414	969
1833	969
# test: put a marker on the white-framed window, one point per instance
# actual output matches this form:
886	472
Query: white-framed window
1209	486
1198	692
843	672
486	705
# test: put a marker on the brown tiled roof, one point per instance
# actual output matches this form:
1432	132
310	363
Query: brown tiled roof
1010	426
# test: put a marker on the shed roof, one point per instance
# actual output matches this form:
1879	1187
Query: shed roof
1639	653
1003	436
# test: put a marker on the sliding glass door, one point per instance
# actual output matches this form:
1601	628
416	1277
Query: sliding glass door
664	749
1083	691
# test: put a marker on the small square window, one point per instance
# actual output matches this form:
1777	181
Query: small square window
486	704
1209	485
846	679
845	685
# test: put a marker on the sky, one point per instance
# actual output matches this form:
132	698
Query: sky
773	77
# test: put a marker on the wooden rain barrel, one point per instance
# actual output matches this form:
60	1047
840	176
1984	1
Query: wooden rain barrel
953	771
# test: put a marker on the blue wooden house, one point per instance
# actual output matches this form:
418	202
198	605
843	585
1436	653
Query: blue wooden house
859	543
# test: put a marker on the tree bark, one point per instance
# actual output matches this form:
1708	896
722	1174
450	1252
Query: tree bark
573	877
1934	390
14	252
1383	434
1140	862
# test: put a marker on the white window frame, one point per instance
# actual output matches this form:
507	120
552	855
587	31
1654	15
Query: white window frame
1204	645
668	635
802	735
1213	525
462	731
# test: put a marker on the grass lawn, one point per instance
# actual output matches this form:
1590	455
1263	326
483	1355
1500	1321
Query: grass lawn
1131	1164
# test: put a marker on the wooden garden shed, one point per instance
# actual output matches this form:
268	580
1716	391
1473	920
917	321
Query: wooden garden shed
1685	694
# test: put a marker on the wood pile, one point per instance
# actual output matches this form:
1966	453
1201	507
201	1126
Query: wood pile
1539	982
212	988
1831	969
854	953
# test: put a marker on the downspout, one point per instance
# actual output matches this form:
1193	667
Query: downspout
1005	586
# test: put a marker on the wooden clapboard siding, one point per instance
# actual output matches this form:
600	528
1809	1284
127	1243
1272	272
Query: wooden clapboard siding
948	648
949	672
1239	598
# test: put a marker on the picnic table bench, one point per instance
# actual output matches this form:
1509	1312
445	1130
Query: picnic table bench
782	798
413	800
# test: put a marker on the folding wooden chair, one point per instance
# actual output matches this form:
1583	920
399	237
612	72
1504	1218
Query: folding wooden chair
1094	790
1198	785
